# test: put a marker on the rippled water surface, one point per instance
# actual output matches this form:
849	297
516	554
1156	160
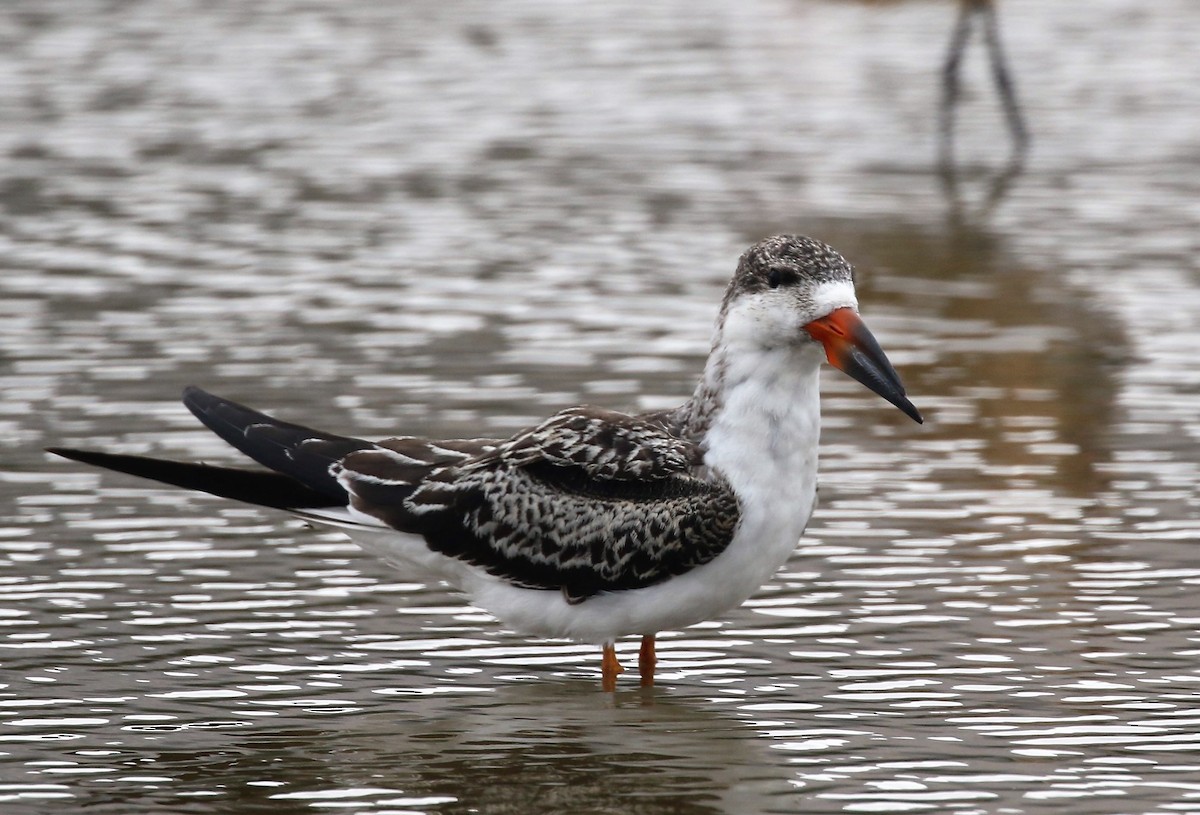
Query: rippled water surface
455	218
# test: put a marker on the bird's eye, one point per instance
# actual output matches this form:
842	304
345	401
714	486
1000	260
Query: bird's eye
774	278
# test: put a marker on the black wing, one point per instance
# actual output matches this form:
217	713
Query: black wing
300	452
261	488
300	458
588	501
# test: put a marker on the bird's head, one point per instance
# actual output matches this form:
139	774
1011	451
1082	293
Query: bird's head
792	291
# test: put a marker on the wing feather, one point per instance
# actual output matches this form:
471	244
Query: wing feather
588	501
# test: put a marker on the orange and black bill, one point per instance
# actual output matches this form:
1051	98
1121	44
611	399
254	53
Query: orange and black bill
853	349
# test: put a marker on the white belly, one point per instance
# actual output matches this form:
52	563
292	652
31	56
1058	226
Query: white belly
757	551
760	547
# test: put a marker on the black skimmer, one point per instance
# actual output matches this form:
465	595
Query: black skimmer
593	524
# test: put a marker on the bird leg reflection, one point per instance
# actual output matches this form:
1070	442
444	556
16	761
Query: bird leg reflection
646	661
609	668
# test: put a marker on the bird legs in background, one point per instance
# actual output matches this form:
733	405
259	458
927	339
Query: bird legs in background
968	11
610	667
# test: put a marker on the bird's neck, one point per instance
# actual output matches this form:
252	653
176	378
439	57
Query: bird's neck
756	413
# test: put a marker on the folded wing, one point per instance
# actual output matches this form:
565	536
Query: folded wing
588	501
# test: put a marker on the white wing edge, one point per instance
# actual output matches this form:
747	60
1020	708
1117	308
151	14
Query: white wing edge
343	517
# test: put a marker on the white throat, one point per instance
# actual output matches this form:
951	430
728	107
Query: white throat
765	426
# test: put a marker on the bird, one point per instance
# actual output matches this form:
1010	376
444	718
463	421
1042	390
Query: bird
593	524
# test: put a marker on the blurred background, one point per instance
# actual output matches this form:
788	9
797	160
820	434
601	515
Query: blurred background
454	218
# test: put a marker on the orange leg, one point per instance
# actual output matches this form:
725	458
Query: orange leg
609	668
646	661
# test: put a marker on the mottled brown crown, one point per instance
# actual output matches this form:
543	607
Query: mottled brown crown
787	260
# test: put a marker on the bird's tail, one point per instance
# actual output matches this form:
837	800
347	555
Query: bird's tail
299	458
265	489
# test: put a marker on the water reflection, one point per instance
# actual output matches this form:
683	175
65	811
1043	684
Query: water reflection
1024	371
990	187
505	748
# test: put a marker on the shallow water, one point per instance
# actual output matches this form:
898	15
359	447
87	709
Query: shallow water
456	218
